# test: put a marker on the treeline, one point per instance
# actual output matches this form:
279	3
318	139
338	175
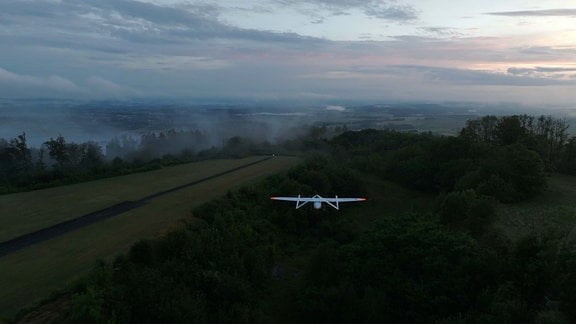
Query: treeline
249	260
503	157
545	135
59	161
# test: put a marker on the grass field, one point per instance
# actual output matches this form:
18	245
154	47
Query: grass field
30	275
553	211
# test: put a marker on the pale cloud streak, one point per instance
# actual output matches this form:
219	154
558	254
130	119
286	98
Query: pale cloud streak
388	10
14	85
537	13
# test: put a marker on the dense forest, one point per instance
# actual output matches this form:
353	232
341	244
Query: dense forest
245	259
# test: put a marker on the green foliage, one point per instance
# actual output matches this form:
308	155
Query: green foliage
467	210
568	159
545	135
510	173
510	130
407	269
89	306
566	283
489	156
480	130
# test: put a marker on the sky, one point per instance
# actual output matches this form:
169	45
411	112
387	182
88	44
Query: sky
519	51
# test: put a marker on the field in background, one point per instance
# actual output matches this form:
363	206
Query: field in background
30	275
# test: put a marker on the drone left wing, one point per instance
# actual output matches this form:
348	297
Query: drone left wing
300	201
303	199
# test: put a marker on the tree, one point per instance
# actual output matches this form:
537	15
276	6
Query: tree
466	210
91	156
237	146
510	173
19	154
510	130
568	158
57	151
483	129
551	135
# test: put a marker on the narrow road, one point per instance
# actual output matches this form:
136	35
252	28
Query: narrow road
53	231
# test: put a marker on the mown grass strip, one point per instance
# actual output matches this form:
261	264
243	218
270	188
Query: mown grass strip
91	218
26	212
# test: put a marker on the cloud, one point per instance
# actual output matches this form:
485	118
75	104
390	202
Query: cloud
170	63
157	24
537	13
539	69
442	31
191	48
484	78
335	108
448	76
15	85
388	10
566	73
134	21
99	87
553	51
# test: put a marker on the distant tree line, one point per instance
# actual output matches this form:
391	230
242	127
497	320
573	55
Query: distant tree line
58	161
545	135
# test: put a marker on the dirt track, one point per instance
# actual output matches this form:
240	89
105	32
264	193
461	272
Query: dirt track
44	234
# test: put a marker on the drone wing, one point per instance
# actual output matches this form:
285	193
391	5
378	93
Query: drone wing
301	201
338	199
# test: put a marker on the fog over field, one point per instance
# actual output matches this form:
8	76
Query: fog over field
101	121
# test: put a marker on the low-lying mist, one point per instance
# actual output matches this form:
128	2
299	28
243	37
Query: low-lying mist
121	129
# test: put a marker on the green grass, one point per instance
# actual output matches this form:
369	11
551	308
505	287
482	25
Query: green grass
26	212
31	274
553	211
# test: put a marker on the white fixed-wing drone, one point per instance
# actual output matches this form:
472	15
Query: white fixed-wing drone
317	200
